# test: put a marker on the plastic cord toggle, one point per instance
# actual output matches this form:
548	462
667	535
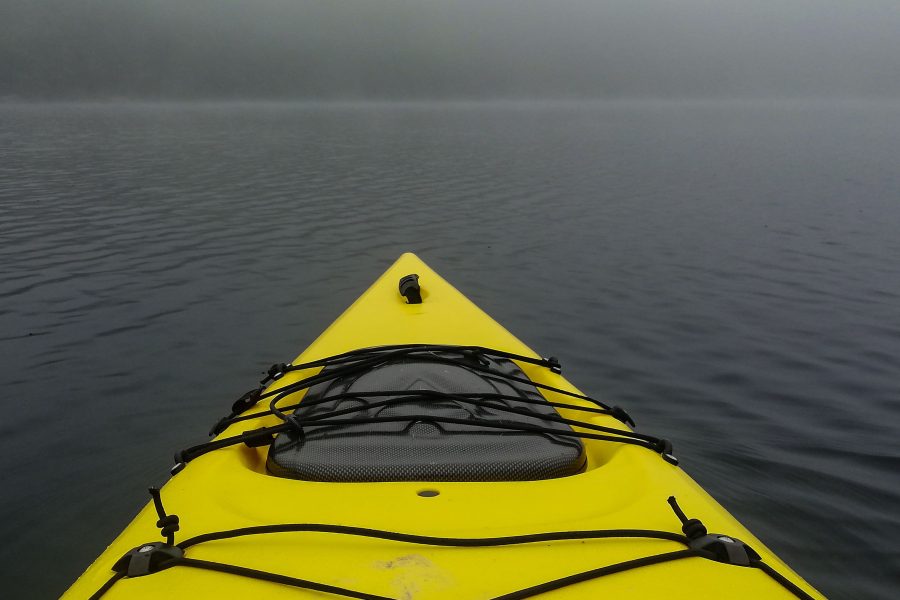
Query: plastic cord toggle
617	412
664	447
275	372
553	364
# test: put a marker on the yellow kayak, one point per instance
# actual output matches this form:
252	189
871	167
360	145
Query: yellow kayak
417	449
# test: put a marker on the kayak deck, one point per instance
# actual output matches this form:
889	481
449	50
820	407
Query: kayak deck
621	487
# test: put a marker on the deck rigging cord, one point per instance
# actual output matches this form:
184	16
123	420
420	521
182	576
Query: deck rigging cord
157	556
263	435
365	359
380	354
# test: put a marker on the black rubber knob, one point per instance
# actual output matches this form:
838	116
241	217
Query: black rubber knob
409	288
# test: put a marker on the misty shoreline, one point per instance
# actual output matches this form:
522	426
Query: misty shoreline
475	103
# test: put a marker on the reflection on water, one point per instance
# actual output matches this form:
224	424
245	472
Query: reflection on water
728	272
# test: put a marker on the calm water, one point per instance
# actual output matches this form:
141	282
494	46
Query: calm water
728	272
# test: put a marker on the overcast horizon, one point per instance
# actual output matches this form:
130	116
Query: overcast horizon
401	50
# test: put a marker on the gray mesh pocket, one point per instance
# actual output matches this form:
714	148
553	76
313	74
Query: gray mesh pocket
423	450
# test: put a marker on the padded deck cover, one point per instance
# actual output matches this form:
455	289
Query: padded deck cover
420	450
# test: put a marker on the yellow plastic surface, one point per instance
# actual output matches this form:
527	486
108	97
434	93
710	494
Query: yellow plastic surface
623	487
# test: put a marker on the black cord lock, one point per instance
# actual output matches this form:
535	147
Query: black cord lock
274	372
723	548
476	358
553	364
180	464
240	406
257	438
249	399
617	412
409	288
664	447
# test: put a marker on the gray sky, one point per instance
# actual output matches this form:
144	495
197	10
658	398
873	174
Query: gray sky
448	48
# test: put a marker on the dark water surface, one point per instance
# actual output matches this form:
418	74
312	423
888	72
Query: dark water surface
726	271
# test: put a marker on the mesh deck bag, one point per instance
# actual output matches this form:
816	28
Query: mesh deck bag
419	449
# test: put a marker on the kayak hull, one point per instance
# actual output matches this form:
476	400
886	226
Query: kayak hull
621	487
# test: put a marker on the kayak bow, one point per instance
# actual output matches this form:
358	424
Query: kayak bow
417	449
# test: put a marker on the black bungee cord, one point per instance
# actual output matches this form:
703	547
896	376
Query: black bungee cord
157	556
358	361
